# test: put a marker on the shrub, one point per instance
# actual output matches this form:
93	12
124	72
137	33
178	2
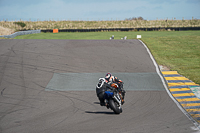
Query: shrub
20	24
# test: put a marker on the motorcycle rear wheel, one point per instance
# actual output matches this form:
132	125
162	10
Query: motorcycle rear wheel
114	107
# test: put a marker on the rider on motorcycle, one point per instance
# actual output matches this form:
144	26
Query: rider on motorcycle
105	85
101	88
112	79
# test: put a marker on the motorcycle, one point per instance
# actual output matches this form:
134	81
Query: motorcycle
113	97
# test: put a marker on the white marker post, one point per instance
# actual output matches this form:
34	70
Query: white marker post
139	36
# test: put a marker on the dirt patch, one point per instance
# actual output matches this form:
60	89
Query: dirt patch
163	68
6	31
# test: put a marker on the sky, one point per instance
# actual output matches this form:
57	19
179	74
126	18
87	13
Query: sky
89	10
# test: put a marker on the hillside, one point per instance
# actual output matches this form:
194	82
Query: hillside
6	31
44	25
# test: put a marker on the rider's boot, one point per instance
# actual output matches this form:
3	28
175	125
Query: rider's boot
106	104
123	95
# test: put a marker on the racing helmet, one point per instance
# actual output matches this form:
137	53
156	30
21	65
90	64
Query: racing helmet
108	76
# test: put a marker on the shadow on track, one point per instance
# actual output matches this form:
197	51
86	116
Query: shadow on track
100	112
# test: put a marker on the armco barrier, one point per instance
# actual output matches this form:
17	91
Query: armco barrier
21	33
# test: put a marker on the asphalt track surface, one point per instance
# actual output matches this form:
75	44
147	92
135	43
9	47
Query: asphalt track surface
37	78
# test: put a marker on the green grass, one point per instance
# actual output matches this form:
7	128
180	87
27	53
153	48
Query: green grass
178	50
3	38
78	35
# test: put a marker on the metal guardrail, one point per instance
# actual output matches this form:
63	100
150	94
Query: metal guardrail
21	33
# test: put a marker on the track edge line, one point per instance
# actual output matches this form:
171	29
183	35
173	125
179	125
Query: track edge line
166	87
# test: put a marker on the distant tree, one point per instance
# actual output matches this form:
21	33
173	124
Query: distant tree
135	18
140	18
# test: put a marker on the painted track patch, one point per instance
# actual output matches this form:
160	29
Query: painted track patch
87	81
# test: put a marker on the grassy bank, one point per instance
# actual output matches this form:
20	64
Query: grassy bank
43	25
178	50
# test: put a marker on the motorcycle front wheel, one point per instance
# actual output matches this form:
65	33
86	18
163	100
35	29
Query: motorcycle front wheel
114	107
